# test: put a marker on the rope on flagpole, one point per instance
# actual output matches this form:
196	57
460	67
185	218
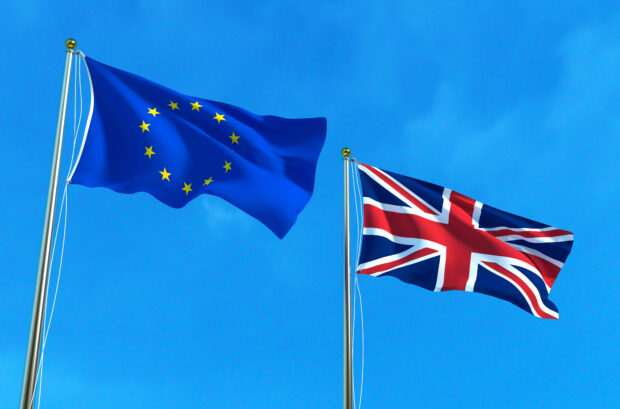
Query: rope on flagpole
362	322
357	226
357	198
64	210
31	369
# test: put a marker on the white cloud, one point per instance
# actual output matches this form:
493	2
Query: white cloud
221	216
574	129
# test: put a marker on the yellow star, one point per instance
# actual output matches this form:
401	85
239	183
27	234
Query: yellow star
234	138
145	127
165	175
195	106
153	111
207	181
227	166
187	188
149	151
219	117
173	105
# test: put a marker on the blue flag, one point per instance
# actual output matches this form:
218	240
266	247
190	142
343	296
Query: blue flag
143	137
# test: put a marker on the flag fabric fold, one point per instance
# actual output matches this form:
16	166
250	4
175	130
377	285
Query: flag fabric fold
144	137
441	240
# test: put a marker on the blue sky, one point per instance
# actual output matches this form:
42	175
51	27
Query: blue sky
512	104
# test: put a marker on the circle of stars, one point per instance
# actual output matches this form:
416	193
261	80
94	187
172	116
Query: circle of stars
149	150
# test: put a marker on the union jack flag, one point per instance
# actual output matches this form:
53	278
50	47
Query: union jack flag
441	240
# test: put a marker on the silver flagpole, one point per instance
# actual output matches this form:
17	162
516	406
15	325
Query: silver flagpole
40	294
348	353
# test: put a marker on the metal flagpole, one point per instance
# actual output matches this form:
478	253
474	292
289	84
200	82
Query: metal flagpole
40	295
348	353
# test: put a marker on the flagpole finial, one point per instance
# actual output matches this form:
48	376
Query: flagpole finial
346	152
71	43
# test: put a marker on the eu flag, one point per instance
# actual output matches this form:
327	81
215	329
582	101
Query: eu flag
144	137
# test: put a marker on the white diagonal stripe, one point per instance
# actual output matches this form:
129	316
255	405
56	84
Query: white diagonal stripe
517	229
405	210
387	259
365	169
536	253
529	284
554	239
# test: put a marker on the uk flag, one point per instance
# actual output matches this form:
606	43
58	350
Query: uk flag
441	240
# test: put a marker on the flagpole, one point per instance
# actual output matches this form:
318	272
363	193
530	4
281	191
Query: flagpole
40	295
348	353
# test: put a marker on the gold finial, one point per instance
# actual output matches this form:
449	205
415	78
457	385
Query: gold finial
71	43
346	152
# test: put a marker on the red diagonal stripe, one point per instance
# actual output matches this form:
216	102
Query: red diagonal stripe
523	286
392	264
548	271
400	224
399	189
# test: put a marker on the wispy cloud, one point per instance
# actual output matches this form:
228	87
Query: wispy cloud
530	135
221	216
